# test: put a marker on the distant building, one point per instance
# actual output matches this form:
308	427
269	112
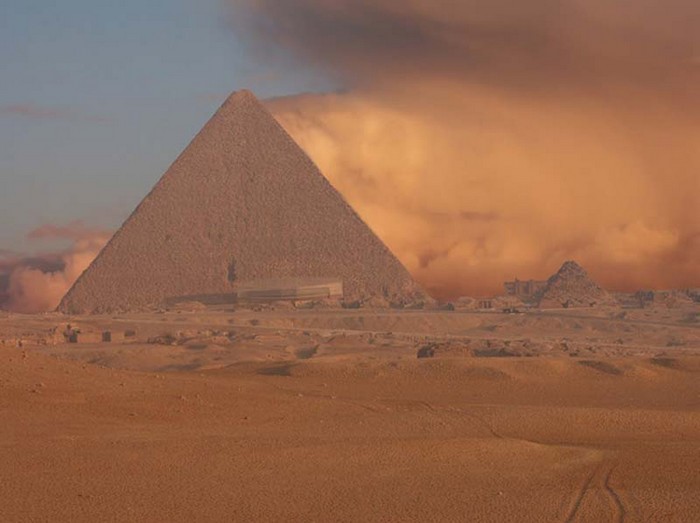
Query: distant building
485	304
645	297
525	290
290	289
269	291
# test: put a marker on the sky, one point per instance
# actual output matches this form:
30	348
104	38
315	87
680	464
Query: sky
97	98
482	140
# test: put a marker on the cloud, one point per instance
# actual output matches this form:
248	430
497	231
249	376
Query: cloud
37	283
37	112
365	42
484	140
75	230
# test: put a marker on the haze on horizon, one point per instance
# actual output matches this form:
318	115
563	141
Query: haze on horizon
481	140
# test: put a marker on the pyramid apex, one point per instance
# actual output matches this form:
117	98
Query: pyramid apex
241	96
571	266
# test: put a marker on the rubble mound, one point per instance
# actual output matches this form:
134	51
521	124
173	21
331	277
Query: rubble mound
572	287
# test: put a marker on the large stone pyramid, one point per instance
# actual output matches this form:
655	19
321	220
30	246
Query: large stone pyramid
242	203
571	286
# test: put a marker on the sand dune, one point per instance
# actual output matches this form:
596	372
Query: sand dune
317	416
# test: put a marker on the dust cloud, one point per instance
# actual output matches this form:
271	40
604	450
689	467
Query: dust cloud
32	284
488	140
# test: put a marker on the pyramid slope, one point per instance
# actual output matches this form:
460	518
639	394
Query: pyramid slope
571	286
243	202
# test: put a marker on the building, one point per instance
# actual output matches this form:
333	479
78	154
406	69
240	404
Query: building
525	290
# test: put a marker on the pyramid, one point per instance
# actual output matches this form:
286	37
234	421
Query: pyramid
571	286
242	203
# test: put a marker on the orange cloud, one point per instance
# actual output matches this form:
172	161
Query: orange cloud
37	284
485	140
75	230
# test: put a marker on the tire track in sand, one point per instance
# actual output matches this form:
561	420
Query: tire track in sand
621	511
597	486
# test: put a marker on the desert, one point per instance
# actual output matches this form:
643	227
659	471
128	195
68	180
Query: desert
373	415
350	261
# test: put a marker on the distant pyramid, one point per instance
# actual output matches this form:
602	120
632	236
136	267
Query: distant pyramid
242	203
572	287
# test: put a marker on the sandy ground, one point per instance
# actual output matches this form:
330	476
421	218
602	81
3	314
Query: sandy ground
589	415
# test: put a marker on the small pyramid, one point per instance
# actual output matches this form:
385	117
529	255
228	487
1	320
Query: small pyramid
242	203
572	287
